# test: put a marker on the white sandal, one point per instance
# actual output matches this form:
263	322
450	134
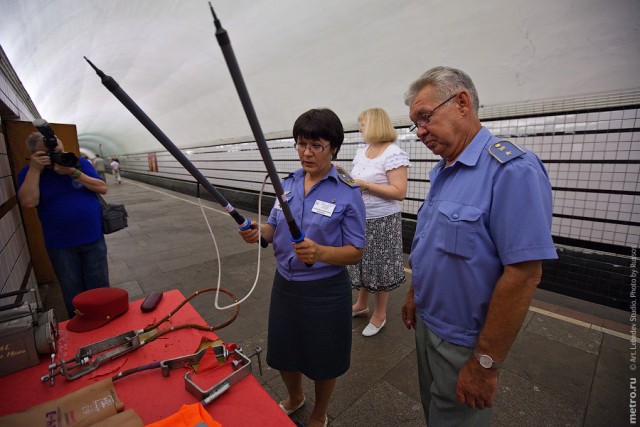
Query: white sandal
291	411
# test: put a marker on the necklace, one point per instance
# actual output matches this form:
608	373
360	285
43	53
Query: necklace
370	152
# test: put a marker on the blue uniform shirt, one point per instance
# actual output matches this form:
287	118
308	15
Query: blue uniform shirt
481	213
70	214
344	226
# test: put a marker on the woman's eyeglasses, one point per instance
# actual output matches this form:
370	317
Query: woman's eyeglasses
314	148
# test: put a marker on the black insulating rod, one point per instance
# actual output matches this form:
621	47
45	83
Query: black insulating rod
225	44
122	96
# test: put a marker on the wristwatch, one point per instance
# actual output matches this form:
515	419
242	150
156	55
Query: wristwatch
486	361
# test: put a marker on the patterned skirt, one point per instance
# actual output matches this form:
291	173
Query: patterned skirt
381	267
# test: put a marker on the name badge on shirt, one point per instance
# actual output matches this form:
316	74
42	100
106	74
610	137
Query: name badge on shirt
323	208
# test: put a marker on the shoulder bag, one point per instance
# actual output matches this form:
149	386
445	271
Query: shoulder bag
114	217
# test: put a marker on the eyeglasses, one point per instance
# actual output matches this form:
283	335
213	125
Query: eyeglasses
315	148
423	120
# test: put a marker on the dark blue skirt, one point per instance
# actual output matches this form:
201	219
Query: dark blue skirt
310	326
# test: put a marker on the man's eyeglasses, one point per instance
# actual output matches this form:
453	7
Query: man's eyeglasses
423	120
315	148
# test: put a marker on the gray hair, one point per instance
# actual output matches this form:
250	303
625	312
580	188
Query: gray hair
446	82
34	140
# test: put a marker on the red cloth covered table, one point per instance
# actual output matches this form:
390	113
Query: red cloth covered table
150	394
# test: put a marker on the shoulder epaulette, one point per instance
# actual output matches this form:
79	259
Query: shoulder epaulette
345	177
504	151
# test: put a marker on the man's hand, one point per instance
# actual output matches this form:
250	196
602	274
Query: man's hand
39	160
509	304
476	385
409	310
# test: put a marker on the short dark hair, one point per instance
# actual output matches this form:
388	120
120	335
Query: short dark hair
320	123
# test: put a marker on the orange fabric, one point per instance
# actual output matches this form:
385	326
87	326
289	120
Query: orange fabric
187	416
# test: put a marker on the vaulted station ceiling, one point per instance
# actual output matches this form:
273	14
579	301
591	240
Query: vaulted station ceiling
347	55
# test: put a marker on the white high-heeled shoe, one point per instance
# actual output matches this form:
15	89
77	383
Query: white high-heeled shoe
372	329
362	312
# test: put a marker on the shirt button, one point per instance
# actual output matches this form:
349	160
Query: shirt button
456	216
430	203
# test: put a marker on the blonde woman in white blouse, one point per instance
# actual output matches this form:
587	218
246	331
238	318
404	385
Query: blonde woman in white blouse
380	169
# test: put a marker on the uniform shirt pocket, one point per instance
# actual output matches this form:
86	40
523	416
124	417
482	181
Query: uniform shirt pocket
278	209
459	223
326	222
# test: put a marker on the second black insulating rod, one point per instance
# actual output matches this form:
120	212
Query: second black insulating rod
122	96
225	44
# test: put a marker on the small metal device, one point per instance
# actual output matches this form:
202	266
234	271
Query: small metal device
179	362
241	365
82	364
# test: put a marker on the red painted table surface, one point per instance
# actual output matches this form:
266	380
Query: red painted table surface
150	394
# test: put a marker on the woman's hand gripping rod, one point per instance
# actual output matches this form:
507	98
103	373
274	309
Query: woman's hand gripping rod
222	36
122	96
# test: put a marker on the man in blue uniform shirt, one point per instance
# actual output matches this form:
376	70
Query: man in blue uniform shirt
476	257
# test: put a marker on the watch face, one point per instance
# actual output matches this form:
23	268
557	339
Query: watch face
485	361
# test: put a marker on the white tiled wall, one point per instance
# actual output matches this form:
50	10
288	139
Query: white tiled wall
14	253
15	260
593	160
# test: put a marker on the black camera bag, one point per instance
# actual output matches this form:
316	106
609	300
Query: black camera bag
114	217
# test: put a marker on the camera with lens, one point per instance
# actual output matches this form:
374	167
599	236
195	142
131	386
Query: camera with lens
62	159
51	142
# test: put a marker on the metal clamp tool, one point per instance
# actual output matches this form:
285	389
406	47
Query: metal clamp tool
114	347
242	367
81	364
169	365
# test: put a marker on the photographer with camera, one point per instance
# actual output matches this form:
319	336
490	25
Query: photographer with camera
62	188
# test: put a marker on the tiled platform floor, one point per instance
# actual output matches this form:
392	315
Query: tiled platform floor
568	367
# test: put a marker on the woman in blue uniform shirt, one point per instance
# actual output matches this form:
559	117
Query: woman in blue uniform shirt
310	311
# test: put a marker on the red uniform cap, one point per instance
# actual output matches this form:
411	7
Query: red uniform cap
97	307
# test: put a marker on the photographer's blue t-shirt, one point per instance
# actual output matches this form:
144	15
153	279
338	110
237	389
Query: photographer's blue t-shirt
70	214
